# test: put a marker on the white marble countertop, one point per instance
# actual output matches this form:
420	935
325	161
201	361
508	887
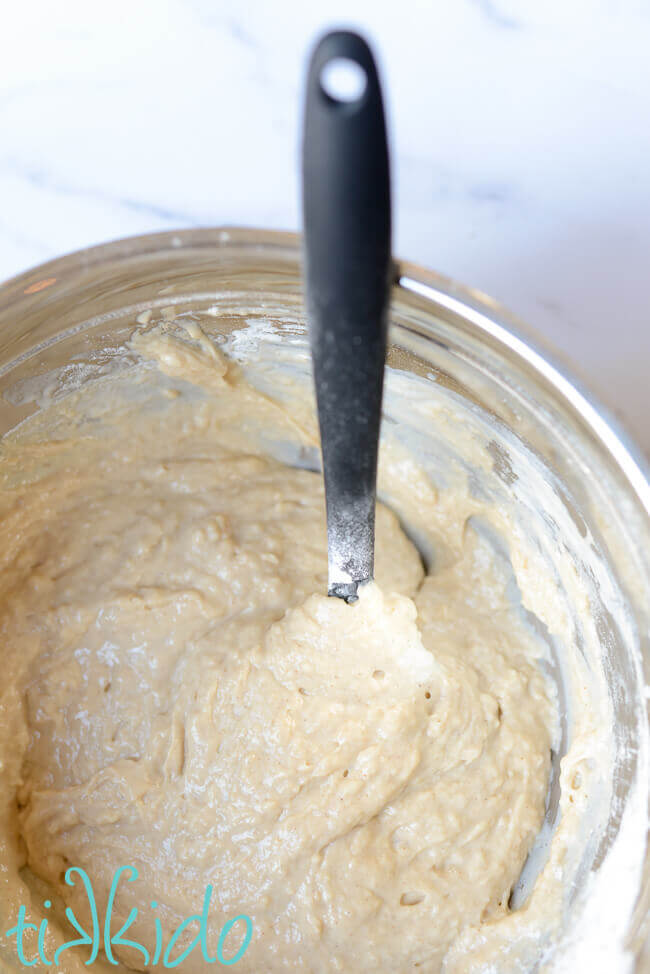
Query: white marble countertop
520	130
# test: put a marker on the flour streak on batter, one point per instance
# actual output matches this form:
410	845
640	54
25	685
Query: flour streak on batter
363	781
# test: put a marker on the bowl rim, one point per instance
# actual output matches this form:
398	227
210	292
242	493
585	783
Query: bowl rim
485	313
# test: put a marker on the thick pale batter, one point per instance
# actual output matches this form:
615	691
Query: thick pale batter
364	782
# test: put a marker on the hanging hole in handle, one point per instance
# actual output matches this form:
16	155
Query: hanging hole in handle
343	80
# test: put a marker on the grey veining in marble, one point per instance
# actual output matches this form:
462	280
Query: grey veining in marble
520	132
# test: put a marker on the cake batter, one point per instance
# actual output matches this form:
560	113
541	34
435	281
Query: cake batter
363	781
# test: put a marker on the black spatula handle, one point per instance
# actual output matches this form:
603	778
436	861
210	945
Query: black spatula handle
347	228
